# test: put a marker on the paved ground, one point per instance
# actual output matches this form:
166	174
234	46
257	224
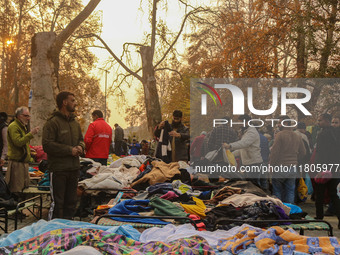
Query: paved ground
308	207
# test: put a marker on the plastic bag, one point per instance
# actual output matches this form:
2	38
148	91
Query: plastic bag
211	155
323	177
229	157
309	184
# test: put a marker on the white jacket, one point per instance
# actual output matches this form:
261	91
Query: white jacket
248	148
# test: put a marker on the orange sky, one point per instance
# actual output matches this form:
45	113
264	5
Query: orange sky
124	22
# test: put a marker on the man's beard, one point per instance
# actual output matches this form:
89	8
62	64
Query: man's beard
175	124
70	109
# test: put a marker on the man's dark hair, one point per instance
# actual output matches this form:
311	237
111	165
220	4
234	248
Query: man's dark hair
301	125
286	118
177	114
244	117
98	113
61	97
327	117
3	116
116	125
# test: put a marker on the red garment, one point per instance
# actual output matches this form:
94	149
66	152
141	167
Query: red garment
98	139
40	153
142	167
196	146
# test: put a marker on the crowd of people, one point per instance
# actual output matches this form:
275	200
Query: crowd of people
292	147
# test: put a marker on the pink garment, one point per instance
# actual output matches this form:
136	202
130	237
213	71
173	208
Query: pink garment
40	153
200	225
169	196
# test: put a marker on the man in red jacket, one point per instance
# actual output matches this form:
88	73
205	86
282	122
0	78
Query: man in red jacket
98	138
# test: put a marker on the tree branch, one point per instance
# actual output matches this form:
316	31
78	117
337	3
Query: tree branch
178	35
170	69
74	24
115	57
153	27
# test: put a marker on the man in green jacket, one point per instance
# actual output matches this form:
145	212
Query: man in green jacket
63	142
18	138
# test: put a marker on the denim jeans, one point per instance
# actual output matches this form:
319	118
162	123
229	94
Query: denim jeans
263	179
284	189
263	182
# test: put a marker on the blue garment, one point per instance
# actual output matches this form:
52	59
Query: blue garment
263	181
309	185
134	148
293	208
284	189
205	195
264	145
147	170
160	188
44	183
132	207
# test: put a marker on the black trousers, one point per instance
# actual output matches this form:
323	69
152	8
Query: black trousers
63	186
320	194
118	148
102	161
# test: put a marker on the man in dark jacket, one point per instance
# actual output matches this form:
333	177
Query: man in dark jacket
3	138
62	140
327	153
119	137
178	137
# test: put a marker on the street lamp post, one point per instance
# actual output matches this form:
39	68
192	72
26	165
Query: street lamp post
106	72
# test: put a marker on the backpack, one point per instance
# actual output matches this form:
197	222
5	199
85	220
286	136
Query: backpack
6	197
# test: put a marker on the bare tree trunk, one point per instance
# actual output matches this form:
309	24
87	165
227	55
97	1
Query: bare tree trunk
46	47
300	43
329	44
325	53
153	108
43	80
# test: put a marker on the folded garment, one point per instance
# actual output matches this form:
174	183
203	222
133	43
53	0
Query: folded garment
160	188
133	207
198	208
293	208
182	188
164	207
170	195
160	173
248	199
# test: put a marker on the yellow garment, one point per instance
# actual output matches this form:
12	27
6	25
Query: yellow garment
302	190
115	157
197	209
173	148
184	188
